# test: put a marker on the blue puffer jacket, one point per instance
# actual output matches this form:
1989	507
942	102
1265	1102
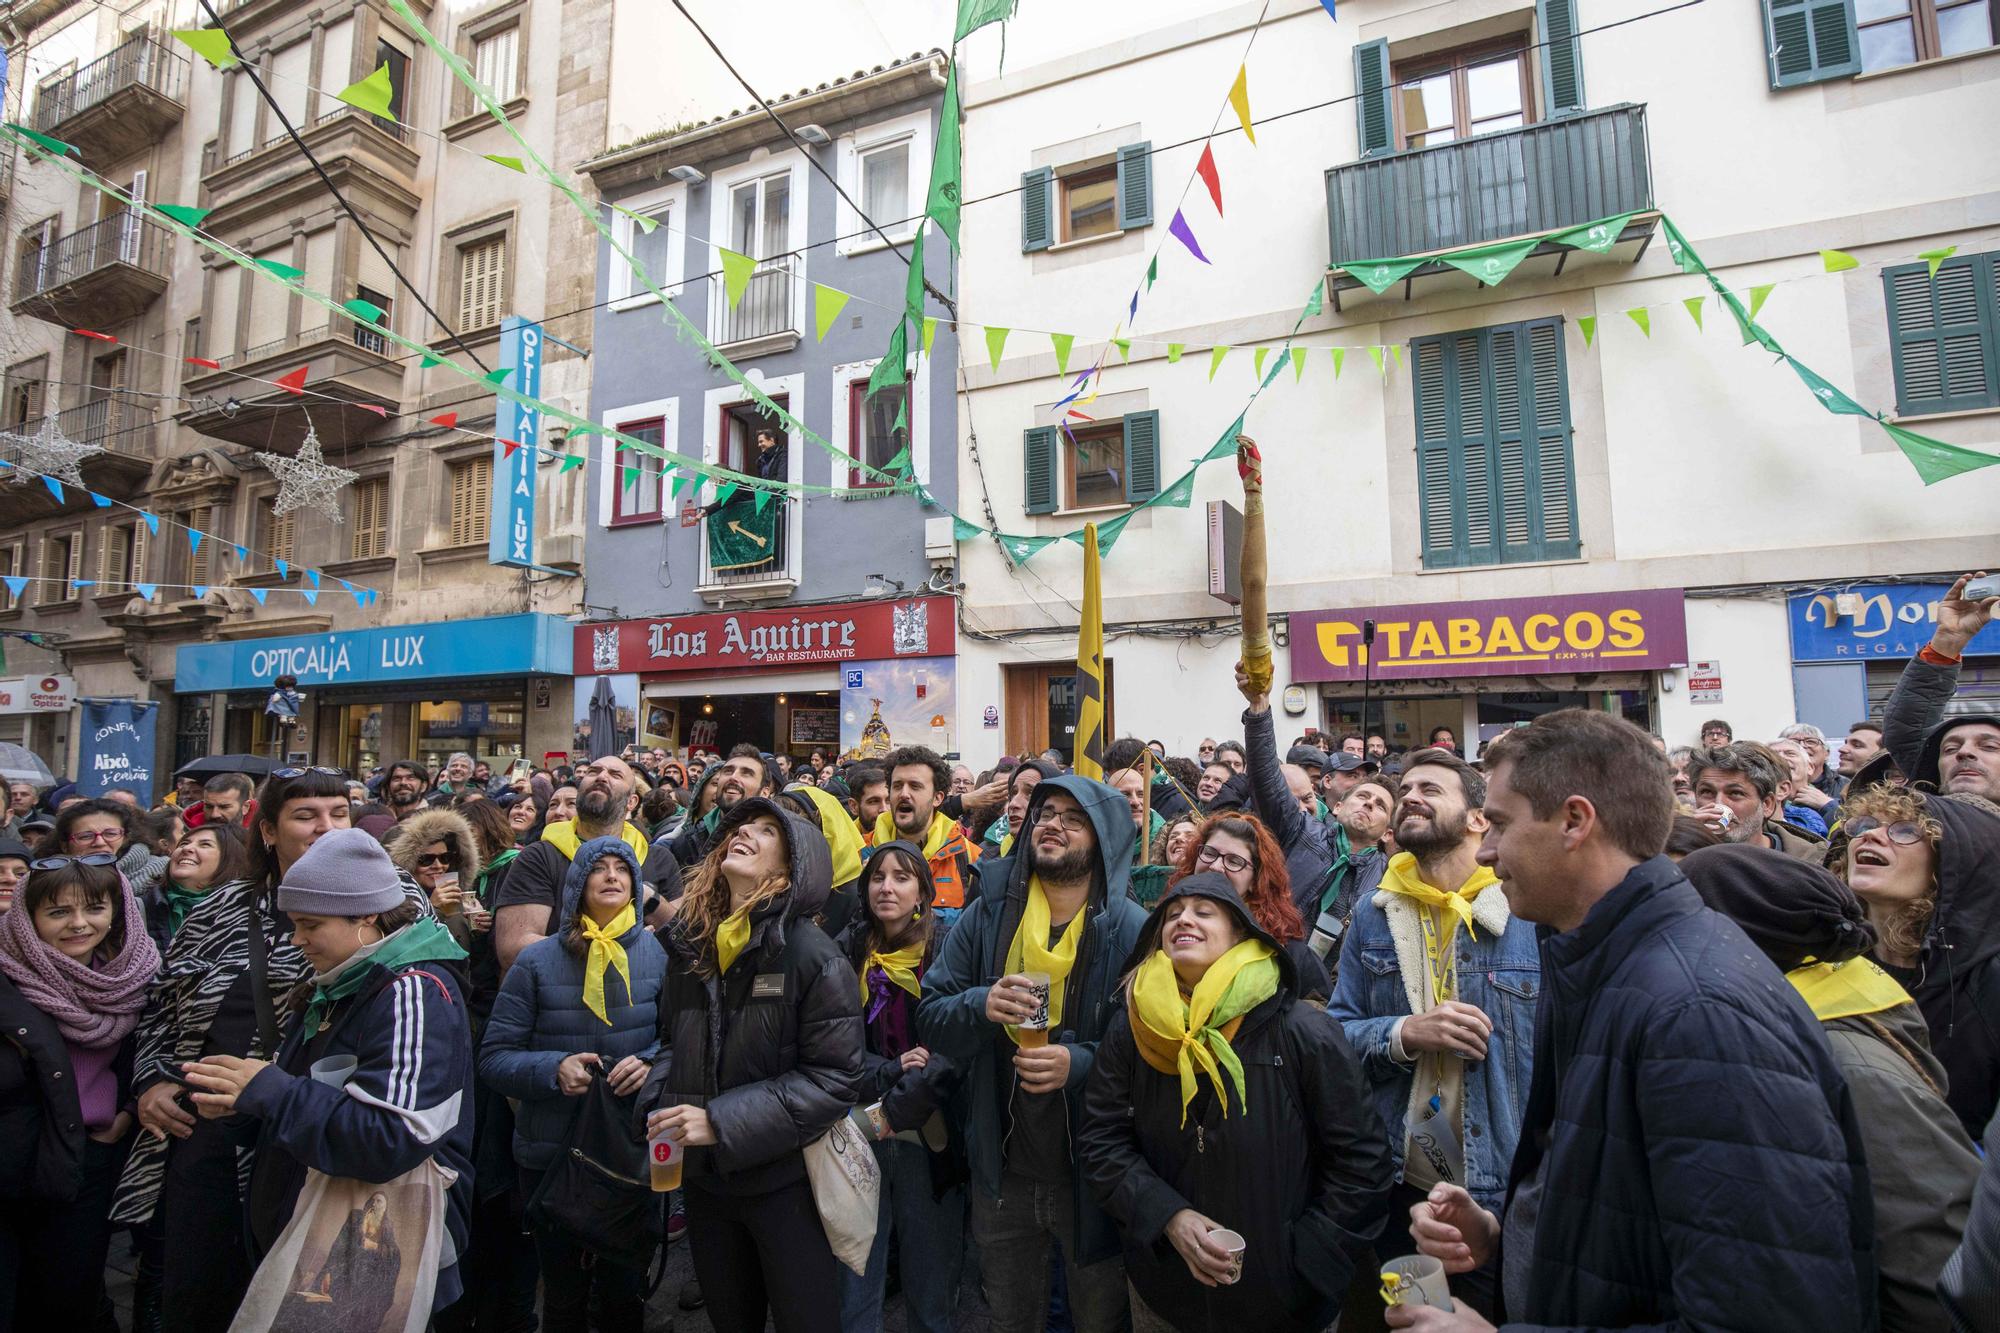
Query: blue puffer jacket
1499	973
540	1017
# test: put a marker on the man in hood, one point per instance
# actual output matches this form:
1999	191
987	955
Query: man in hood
919	781
1058	906
742	775
1957	754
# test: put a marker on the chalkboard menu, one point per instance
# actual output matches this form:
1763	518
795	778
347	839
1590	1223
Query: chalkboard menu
816	726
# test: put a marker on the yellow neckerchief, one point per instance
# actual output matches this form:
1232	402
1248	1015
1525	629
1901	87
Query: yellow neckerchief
1176	1034
900	967
563	834
731	936
605	951
1029	950
940	831
1843	990
1439	914
843	835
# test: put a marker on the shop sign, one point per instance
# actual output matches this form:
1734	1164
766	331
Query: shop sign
815	726
37	694
1704	682
1521	636
911	702
493	646
511	519
733	641
1875	620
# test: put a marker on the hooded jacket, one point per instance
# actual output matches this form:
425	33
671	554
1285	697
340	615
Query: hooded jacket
697	836
844	844
1914	720
952	1016
1300	1173
540	1017
1303	838
451	828
946	846
773	1046
41	1121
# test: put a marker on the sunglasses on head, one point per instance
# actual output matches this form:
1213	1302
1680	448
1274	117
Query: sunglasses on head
1902	831
58	862
301	772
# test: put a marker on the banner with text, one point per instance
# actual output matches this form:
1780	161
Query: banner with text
117	748
732	641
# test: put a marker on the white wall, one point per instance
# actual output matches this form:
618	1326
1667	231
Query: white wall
1751	640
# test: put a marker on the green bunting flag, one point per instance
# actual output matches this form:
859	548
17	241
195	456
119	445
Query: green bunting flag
631	476
372	94
1107	533
1588	324
1257	361
430	361
1935	460
1936	258
1831	398
496	378
1298	363
736	271
1379	275
1179	495
181	213
1596	237
1639	315
1215	356
759	497
282	272
1174	351
1062	343
1375	354
44	142
1836	261
1317	301
1490	263
1692	305
1759	295
962	531
996	343
1679	250
901	462
976	14
942	205
211	44
365	311
1398	350
1023	549
640	220
930	332
1339	356
514	164
913	286
674	491
1124	346
570	461
1152	272
1225	443
724	492
893	367
828	302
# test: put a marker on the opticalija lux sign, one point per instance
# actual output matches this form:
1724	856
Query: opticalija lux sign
1518	636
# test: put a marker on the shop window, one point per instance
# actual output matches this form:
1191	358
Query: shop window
369	536
635	494
873	434
62	566
1109	463
1460	93
1495	474
1087	199
471	496
1944	334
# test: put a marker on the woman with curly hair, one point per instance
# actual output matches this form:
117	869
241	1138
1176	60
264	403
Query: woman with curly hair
1242	849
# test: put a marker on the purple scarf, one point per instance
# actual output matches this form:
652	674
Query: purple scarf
889	1013
93	1007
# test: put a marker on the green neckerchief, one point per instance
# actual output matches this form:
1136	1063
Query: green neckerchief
712	820
1342	855
422	941
485	882
180	902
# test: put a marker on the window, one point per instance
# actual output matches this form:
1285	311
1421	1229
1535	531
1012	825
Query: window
13	564
482	269
191	338
62	565
1111	463
121	559
872	430
760	217
1495	475
1902	32
1456	94
276	536
1101	197
25	385
1944	334
655	243
885	182
36	242
636	498
399	76
371	340
471	494
185	566
496	62
884	167
369	535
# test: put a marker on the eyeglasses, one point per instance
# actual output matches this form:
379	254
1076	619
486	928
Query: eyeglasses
58	862
1903	831
1230	861
97	835
301	772
445	859
1073	820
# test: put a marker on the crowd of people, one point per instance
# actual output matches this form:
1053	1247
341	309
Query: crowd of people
1590	1029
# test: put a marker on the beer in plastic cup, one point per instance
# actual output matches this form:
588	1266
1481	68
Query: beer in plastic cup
1034	1030
334	1070
447	886
1418	1280
1235	1244
664	1154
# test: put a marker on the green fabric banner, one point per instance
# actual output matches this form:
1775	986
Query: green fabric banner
1379	275
976	14
913	287
962	531
1935	460
1023	549
1491	263
1596	237
942	204
1832	399
891	369
740	536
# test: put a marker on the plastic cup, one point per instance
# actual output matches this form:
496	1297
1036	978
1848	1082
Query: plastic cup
1419	1280
335	1070
1235	1244
1034	1030
665	1156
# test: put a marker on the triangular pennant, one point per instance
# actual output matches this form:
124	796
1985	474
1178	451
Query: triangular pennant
930	332
962	531
311	595
1381	367
83	583
242	554
211	44
360	595
200	591
260	594
893	368
568	461
101	501
759	497
1379	275
1339	356
284	568
1152	272
680	480
1257	361
181	213
725	492
1179	495
900	427
283	272
1639	315
511	163
365	311
146	590
1239	97
1023	549
203	362
1181	232
1397	350
371	94
194	541
1759	295
913	286
294	383
1225	443
93	333
1935	258
1836	261
1298	363
1490	263
1596	237
828	302
312	577
1215	356
152	523
1692	305
1679	250
942	199
429	361
1124	346
1316	302
493	379
1935	460
507	448
631	475
1132	311
736	272
1174	351
1062	343
445	419
996	342
16	583
1588	325
640	220
1205	168
900	462
1830	397
54	146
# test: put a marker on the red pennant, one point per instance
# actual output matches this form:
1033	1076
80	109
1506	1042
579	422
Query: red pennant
1085	415
204	361
1206	170
87	333
294	382
445	419
511	446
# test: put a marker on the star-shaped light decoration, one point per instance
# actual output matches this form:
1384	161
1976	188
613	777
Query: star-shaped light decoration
49	453
307	481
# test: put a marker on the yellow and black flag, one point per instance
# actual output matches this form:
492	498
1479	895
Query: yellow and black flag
1089	760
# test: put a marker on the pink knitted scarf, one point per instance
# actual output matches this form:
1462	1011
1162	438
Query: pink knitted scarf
94	1007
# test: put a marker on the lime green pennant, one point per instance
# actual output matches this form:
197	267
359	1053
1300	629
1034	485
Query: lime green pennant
1759	295
1174	351
1836	261
1257	361
1587	324
181	213
1298	363
736	271
996	343
1339	357
211	44
639	220
1936	258
1215	356
1639	315
828	302
1381	366
513	164
1935	460
1692	305
1062	343
1124	346
930	332
371	94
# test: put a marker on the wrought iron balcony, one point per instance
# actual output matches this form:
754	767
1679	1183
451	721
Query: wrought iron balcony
118	105
767	581
767	319
104	274
1510	183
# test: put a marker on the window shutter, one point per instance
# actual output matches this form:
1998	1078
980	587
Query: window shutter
1135	185
1562	57
481	267
75	564
1142	456
142	553
1944	336
1037	192
1537	491
198	561
106	568
1436	385
1807	41
1375	130
284	534
1038	485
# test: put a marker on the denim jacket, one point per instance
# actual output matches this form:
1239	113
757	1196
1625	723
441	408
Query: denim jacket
1381	966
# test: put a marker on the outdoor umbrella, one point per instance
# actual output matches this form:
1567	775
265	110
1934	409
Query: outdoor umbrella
252	765
20	764
604	737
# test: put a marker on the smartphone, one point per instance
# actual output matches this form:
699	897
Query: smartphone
1980	589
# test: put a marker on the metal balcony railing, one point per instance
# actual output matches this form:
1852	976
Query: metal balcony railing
770	575
125	239
138	61
1509	183
769	305
115	424
394	129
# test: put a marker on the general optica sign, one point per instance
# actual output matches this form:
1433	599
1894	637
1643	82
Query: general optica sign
531	643
1526	636
764	640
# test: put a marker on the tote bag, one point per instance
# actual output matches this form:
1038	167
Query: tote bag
847	1187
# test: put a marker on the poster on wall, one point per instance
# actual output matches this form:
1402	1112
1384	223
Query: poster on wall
606	716
662	724
888	704
117	748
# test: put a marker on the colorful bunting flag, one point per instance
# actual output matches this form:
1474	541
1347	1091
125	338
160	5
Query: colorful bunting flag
211	44
1588	325
1381	366
1935	460
260	594
930	332
55	488
1935	258
311	595
44	142
941	204
1596	237
101	501
1836	261
568	461
996	342
1298	363
1205	168
736	271
893	368
1062	343
1023	549
445	419
1239	97
1152	272
962	531
1316	302
1257	361
976	14
152	523
1692	305
282	272
16	583
1181	232
1639	315
1490	263
1831	398
146	590
493	379
371	94
242	554
1174	351
828	302
200	591
1379	275
365	311
514	164
1124	346
295	382
1758	295
181	213
1339	356
283	568
1215	356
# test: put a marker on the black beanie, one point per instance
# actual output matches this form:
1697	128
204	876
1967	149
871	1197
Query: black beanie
1791	909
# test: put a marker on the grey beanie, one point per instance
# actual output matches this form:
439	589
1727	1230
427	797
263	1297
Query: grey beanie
345	873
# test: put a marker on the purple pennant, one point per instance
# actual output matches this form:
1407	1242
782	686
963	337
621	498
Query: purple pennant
1133	313
1185	235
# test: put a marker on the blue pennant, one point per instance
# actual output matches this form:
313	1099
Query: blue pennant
311	595
284	570
152	522
260	594
194	541
55	488
101	501
146	590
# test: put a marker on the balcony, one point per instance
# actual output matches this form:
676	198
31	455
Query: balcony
103	275
116	107
772	581
372	160
1511	183
126	432
768	318
349	388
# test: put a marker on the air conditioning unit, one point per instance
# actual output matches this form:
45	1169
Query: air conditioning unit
563	551
939	548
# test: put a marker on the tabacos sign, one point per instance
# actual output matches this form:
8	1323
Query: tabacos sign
759	640
1590	632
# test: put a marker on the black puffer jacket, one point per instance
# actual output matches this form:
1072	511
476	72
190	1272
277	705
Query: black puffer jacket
41	1123
1697	1149
1303	1175
773	1047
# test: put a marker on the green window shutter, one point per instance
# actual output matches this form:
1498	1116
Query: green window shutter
1037	189
1135	185
1038	484
1562	58
1806	41
1374	129
1944	336
1537	476
1453	453
1142	456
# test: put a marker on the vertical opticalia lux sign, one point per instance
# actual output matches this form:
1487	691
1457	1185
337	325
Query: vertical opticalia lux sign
511	532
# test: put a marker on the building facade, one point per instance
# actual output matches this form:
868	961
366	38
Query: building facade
1537	501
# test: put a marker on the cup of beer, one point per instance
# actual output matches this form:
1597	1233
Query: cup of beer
1034	1029
1235	1244
664	1154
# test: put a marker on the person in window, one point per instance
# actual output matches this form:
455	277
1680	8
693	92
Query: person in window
768	465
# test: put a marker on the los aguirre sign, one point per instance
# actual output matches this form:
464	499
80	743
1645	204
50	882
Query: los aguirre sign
1523	636
759	640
